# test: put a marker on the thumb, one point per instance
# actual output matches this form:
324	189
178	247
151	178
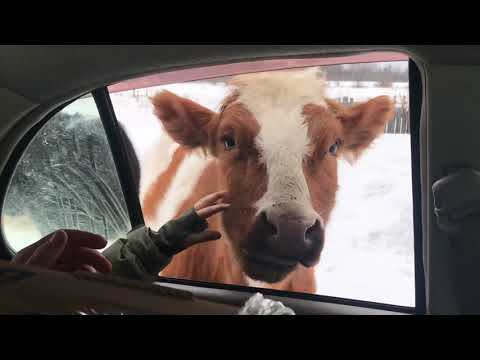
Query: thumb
48	253
204	236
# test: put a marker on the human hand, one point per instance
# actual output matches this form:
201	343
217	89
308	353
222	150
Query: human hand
211	204
66	250
206	207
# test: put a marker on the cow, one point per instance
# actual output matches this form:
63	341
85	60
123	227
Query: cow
273	145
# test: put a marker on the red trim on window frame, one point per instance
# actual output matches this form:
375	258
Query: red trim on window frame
215	71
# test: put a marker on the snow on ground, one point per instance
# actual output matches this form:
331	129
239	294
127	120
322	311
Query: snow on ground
368	253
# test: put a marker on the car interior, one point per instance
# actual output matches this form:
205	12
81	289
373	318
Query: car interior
48	90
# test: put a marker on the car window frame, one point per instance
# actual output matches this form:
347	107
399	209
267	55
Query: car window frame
119	154
415	94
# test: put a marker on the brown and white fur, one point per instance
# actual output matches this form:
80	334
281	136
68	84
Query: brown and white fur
274	146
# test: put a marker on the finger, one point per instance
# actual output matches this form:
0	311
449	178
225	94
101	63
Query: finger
27	252
212	210
88	268
209	199
23	255
202	237
72	268
85	256
78	238
48	253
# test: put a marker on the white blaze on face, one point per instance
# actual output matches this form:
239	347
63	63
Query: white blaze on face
276	100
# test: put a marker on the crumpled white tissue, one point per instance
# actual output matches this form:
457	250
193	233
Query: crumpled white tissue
258	305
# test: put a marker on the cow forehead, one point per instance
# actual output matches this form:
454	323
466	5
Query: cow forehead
276	100
263	92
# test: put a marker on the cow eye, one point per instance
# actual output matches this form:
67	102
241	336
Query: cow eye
334	148
229	143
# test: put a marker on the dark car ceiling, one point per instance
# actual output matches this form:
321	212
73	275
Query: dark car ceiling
39	73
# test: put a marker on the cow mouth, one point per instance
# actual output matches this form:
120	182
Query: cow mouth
266	268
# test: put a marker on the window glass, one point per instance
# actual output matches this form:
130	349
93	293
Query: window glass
368	240
66	178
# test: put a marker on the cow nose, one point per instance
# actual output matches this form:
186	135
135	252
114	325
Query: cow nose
270	227
293	238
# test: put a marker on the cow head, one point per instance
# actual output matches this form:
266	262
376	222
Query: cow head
277	140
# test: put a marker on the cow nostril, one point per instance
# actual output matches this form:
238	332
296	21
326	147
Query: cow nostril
272	228
312	229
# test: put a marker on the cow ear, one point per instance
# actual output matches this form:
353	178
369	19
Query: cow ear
362	123
185	121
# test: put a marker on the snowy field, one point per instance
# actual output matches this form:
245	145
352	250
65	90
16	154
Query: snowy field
369	242
368	253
